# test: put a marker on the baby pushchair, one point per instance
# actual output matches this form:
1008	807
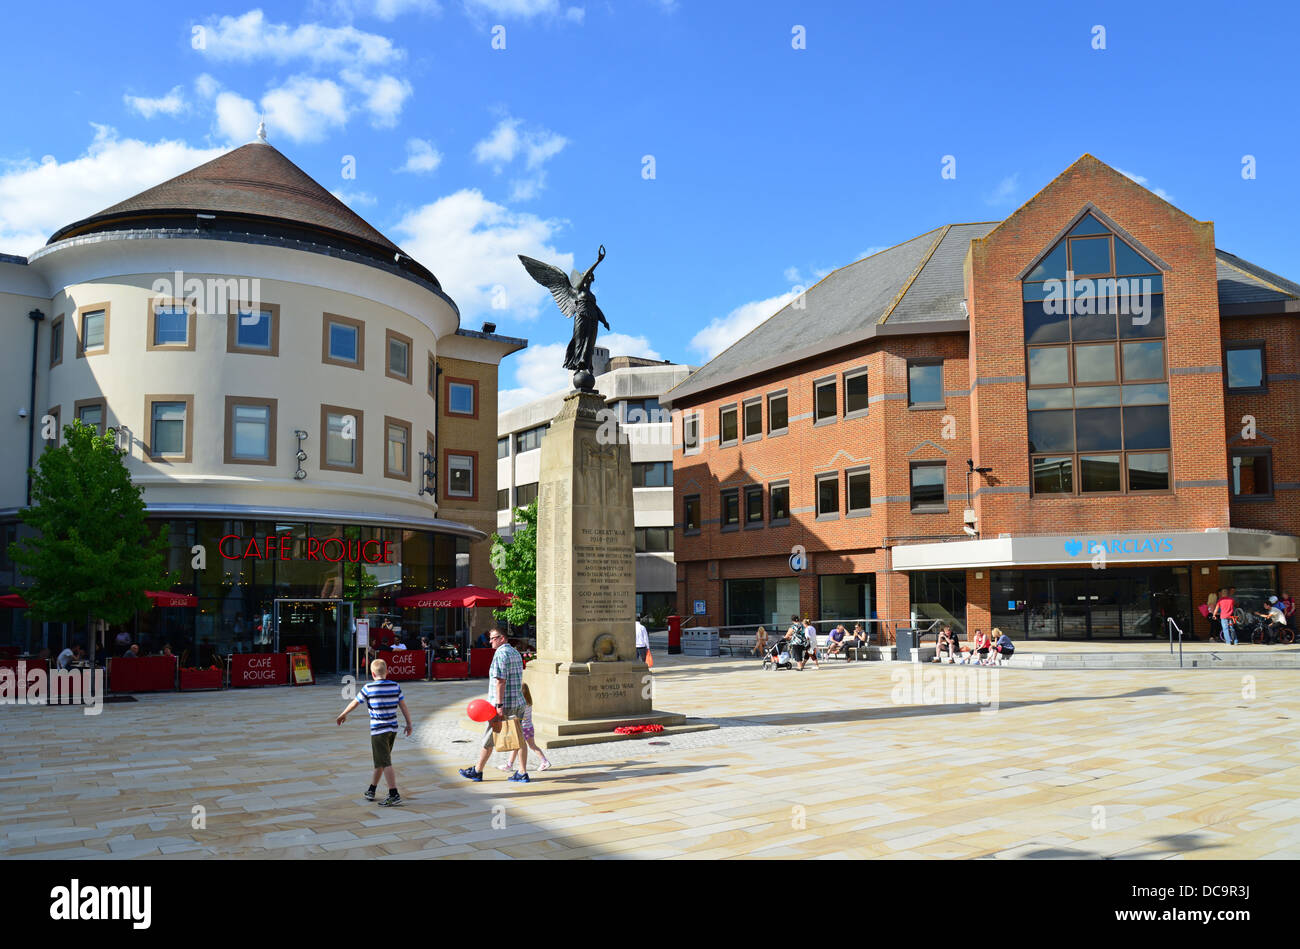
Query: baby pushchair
778	656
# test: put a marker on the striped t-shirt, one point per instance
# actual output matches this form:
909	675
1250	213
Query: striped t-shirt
381	699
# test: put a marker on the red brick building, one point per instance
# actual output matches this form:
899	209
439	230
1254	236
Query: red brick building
1068	424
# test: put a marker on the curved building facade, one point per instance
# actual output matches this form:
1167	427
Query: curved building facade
273	368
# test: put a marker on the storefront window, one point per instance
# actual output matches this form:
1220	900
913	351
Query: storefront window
1255	584
849	596
1119	603
939	595
769	602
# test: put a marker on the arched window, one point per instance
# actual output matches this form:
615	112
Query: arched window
1097	367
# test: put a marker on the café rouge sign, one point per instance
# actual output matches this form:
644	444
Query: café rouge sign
287	547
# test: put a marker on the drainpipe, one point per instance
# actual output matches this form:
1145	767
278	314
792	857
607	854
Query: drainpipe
36	316
437	416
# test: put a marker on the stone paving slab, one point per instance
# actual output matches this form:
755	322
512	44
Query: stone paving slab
823	764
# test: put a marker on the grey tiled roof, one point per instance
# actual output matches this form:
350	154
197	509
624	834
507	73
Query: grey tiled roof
1240	281
901	289
939	288
918	281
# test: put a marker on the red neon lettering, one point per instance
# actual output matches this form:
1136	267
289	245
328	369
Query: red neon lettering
221	546
252	545
286	546
313	548
325	547
388	552
367	558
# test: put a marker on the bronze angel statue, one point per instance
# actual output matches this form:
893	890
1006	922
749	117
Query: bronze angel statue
576	301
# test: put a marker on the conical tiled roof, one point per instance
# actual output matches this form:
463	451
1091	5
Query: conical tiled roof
255	180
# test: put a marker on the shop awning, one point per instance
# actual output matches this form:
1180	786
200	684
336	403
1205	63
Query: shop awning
171	599
459	596
13	601
1082	550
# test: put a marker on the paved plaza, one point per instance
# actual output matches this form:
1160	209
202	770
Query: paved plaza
848	761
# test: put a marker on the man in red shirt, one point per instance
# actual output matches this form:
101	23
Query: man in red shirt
1224	611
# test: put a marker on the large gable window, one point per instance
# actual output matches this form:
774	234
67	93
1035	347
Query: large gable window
1095	354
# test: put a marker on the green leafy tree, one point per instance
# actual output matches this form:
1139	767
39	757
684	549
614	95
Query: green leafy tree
94	554
515	565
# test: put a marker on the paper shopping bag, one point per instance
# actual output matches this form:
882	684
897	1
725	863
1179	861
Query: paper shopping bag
510	737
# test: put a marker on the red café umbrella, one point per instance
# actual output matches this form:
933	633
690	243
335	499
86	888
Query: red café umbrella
457	597
13	601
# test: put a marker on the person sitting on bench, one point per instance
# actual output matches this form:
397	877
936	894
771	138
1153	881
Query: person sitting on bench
837	637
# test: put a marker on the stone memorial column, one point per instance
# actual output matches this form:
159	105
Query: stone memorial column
586	679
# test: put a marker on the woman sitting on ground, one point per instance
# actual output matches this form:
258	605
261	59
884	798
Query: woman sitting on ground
760	642
979	650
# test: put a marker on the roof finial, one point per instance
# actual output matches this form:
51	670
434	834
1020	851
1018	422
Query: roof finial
261	129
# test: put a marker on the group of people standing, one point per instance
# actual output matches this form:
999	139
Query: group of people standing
1225	615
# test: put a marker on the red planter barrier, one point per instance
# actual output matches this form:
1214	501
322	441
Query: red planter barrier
451	670
480	660
142	674
405	665
20	674
198	680
258	668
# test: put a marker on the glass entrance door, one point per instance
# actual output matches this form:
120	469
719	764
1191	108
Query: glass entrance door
320	626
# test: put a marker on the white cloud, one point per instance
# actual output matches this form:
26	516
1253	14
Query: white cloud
236	117
541	146
722	332
539	370
508	141
384	96
206	86
355	199
525	9
1004	191
1142	180
501	147
525	189
249	38
171	104
421	156
471	244
386	10
305	108
37	199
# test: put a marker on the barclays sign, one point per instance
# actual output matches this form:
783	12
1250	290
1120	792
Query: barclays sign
1119	545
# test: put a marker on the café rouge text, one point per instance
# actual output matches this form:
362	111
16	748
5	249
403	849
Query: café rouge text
282	547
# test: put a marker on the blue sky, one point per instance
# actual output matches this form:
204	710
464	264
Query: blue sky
772	165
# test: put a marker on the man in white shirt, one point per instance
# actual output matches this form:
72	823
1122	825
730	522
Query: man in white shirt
810	631
67	656
642	640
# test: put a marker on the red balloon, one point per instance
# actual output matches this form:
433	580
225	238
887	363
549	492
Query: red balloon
481	710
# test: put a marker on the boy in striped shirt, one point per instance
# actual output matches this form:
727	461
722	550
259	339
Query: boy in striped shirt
383	698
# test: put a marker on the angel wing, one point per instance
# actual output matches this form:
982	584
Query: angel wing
553	279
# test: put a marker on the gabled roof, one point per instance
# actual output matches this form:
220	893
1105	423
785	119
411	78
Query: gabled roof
1240	281
915	287
917	281
254	179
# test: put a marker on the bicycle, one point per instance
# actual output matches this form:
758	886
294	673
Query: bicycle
1263	632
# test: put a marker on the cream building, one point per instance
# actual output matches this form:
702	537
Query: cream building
274	366
631	387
